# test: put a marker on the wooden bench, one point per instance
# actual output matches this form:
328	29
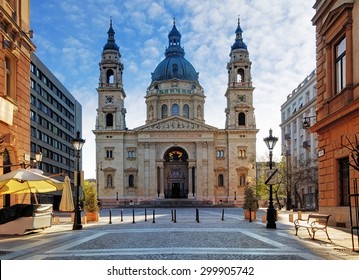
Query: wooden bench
313	223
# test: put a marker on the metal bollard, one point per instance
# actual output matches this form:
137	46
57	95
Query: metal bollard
174	216
133	216
110	215
153	216
197	215
171	215
145	215
121	215
222	214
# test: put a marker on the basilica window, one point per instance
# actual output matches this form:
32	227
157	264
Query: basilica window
240	75
109	181
220	180
131	181
109	120
220	154
164	111
199	112
175	110
131	154
242	119
109	77
186	111
242	180
242	153
109	153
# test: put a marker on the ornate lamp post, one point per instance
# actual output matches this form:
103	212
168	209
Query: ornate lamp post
77	143
270	142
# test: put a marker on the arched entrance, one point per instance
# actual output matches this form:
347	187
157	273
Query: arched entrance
176	173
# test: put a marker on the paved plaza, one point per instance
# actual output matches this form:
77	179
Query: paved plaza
177	234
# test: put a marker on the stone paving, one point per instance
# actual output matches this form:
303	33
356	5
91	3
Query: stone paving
220	234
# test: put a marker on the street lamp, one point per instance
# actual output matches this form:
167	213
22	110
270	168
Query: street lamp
270	142
38	159
77	143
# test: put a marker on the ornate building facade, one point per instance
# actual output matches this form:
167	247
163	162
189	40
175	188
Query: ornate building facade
337	126
15	35
175	154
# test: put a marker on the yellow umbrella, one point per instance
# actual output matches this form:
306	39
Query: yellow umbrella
67	201
28	181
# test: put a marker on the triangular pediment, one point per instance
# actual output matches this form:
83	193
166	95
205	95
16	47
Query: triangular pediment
176	123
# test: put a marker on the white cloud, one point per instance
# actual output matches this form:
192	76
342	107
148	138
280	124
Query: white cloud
279	36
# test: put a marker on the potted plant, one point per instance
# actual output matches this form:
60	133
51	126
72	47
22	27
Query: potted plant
250	203
90	202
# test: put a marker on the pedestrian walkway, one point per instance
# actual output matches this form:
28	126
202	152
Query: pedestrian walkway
177	234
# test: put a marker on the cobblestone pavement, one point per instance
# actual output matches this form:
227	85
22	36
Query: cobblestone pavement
220	234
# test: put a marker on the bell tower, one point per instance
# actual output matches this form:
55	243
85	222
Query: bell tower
239	94
111	112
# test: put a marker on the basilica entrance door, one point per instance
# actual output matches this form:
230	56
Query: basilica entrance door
176	190
176	173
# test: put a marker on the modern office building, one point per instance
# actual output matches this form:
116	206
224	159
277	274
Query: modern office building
175	154
337	126
15	49
55	117
300	145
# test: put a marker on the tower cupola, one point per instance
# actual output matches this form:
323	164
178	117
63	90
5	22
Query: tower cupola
111	44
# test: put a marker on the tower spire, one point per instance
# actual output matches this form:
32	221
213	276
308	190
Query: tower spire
238	43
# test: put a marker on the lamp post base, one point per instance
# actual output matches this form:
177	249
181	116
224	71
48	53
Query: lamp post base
271	218
77	221
76	227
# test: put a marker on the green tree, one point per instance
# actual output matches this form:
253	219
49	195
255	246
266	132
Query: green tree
90	197
250	198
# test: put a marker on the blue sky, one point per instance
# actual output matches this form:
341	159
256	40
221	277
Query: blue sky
69	36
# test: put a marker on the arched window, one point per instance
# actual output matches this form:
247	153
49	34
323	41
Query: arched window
175	110
109	119
109	181
150	112
220	180
131	181
199	112
186	111
242	180
241	119
109	76
240	76
164	111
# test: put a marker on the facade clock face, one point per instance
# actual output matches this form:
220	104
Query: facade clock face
242	98
108	99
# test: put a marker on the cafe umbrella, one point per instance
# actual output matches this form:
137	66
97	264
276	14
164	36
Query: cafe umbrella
23	181
67	201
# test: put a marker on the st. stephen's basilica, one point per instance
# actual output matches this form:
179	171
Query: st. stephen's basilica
175	154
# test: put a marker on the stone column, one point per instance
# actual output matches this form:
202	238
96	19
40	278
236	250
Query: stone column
162	194
190	188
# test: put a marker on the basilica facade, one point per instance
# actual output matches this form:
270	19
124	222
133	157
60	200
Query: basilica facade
175	154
